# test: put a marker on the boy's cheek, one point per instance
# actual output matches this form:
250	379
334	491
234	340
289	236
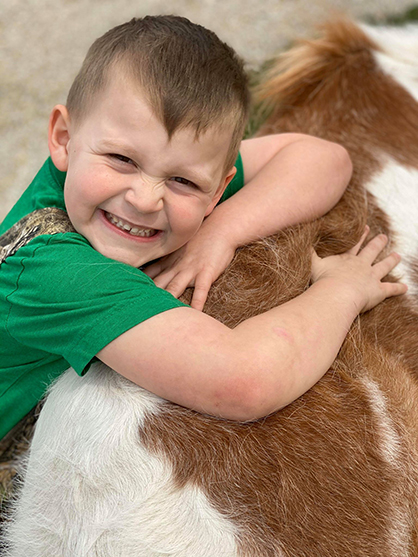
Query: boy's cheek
84	189
77	204
188	224
192	211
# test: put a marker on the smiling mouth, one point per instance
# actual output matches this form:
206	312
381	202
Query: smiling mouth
129	228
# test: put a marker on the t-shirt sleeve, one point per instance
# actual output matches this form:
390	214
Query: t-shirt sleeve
71	301
237	181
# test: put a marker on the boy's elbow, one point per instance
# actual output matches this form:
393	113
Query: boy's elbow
339	169
249	395
334	152
342	166
345	164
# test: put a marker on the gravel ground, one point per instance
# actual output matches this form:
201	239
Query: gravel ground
43	42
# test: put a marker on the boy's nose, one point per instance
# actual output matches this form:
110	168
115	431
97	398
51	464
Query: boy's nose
146	196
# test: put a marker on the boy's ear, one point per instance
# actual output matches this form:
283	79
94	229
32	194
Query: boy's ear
59	136
222	187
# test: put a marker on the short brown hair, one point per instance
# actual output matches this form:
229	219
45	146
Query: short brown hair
189	76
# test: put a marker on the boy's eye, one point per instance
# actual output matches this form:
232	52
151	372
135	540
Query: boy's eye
121	158
184	181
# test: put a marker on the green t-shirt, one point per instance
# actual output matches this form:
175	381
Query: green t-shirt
61	302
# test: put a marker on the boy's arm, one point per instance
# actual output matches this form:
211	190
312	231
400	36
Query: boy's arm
267	361
289	178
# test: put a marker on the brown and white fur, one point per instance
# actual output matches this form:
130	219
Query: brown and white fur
114	471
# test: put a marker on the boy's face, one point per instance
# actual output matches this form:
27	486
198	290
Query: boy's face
135	195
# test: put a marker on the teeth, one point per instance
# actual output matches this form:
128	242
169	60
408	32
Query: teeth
144	232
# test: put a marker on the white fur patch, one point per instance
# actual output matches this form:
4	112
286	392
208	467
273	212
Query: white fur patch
399	58
389	438
93	490
396	190
389	443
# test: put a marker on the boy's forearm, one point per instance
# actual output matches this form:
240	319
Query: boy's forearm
302	182
298	341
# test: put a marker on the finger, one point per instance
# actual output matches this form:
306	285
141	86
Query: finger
203	282
154	270
371	250
179	283
164	279
355	249
387	264
314	256
394	288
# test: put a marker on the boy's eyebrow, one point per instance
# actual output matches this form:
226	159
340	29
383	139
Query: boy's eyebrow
205	182
113	146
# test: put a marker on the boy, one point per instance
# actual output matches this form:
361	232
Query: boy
140	157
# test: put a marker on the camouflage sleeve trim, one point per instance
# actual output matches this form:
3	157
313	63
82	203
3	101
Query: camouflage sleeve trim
49	220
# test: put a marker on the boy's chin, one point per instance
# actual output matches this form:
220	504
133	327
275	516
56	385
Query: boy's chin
142	257
121	255
128	259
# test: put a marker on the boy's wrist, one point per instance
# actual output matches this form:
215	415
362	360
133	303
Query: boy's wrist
224	222
219	227
341	293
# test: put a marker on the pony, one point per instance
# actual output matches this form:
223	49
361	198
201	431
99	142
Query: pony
115	471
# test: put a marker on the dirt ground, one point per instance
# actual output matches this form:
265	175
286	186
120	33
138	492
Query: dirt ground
43	42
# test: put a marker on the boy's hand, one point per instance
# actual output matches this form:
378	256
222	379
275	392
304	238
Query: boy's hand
357	270
198	263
